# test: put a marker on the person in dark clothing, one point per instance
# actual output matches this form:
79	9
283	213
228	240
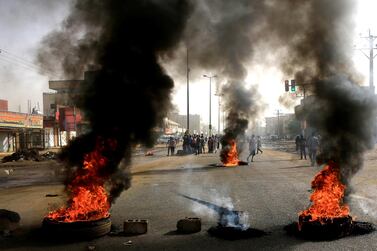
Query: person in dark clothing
171	146
197	145
313	145
202	144
297	142
302	146
210	144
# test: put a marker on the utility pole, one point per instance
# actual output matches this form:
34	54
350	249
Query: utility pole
278	124
210	94
371	57
223	119
219	95
188	90
218	117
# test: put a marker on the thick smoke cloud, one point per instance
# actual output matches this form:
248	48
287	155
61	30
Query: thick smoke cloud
219	38
345	116
129	93
309	40
315	49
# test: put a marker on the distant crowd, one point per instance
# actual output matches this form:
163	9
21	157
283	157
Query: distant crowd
199	144
195	144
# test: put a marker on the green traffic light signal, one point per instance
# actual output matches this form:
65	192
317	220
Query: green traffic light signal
293	85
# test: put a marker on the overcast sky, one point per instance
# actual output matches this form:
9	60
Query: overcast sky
23	23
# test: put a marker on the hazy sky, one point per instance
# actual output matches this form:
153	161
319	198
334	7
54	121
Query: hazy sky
270	81
23	23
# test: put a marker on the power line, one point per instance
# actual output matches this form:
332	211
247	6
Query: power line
18	58
25	67
21	62
4	59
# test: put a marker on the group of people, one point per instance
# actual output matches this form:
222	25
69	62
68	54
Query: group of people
312	143
255	145
197	143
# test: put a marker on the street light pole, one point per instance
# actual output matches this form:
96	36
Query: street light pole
219	95
188	92
218	118
278	124
210	94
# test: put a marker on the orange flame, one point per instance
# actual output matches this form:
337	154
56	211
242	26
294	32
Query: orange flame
231	157
327	198
88	197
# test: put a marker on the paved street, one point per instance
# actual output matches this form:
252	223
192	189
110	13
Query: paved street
273	189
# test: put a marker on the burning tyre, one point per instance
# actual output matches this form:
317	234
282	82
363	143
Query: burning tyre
328	217
77	229
326	229
87	212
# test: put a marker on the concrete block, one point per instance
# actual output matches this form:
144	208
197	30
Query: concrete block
134	227
189	225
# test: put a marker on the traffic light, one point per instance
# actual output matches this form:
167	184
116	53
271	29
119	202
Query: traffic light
287	85
293	85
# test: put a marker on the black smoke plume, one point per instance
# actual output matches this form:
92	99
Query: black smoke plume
129	93
313	41
309	41
219	38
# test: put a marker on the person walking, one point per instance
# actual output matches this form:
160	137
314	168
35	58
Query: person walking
171	146
302	146
313	146
252	148
259	145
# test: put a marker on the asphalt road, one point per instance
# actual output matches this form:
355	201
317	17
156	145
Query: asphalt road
273	190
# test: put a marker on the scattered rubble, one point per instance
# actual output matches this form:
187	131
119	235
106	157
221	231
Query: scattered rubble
149	153
49	155
128	243
52	195
29	154
91	247
8	171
